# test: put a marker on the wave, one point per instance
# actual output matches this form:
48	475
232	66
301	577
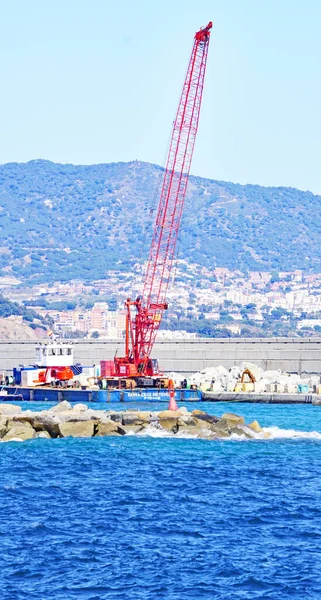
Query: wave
268	433
277	433
156	431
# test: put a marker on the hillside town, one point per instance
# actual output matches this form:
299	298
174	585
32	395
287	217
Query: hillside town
257	303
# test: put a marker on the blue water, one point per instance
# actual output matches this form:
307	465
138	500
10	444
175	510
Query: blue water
148	518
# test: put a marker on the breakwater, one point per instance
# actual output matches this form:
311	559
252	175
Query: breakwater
64	420
293	355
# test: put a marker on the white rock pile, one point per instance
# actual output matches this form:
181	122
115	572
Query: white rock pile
219	379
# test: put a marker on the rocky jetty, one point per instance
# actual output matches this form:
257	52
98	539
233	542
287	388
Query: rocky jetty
64	420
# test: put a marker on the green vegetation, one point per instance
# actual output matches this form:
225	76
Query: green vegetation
8	309
202	327
62	222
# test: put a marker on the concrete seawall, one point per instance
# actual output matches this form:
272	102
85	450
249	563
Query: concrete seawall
263	398
294	355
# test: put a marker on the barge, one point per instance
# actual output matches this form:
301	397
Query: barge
55	377
49	394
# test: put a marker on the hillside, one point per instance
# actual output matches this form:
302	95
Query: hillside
61	222
13	328
17	320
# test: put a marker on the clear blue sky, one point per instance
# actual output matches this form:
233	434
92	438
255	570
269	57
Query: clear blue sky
88	81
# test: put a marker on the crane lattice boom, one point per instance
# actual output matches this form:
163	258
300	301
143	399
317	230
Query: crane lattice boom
141	331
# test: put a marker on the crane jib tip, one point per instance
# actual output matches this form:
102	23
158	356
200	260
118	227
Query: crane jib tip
204	32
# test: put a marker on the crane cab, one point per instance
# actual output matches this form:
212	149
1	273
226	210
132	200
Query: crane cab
152	367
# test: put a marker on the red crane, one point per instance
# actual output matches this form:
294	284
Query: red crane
148	309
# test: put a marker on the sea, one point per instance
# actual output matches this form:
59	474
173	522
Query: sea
154	517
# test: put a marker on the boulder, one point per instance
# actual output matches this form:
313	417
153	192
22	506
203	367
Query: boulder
233	419
19	431
22	418
169	423
203	423
43	434
3	426
61	407
79	407
202	416
194	427
131	419
121	430
77	429
186	421
183	410
71	415
242	432
9	409
255	426
109	427
47	422
95	414
134	428
117	417
144	415
198	412
168	414
221	429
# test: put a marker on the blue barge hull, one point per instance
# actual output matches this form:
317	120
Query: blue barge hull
43	394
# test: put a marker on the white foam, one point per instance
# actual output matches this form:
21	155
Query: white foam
277	433
234	437
156	431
